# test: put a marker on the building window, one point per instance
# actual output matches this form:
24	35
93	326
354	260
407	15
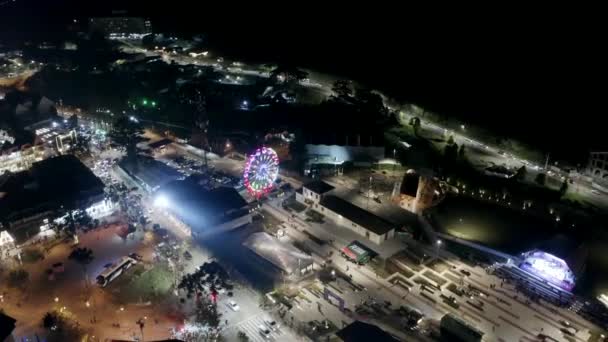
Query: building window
322	209
354	225
367	234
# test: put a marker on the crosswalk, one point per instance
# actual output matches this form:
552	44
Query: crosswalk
251	327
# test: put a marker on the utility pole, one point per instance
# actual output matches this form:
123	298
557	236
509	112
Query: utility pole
369	191
547	161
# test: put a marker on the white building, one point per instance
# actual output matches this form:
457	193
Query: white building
374	228
597	168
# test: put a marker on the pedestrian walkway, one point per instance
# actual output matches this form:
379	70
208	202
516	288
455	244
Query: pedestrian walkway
253	326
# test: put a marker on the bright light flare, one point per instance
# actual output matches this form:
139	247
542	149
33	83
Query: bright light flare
161	201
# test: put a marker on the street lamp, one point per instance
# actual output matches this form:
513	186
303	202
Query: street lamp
462	127
437	245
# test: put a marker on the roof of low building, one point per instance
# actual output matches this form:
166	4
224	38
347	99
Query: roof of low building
283	255
150	171
359	331
7	325
201	208
356	214
160	143
318	187
62	180
573	252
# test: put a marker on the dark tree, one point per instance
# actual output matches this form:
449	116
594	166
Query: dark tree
83	256
450	152
207	313
450	140
288	74
82	218
541	178
50	321
461	152
126	132
73	121
415	122
370	102
16	278
521	173
60	329
342	89
564	188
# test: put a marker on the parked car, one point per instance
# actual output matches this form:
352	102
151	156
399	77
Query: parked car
233	306
271	324
264	332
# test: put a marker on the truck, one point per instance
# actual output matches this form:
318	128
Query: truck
358	253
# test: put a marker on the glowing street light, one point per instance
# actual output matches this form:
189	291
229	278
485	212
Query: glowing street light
161	201
56	299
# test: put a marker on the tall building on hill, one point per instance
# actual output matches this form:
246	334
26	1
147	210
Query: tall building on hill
121	27
417	191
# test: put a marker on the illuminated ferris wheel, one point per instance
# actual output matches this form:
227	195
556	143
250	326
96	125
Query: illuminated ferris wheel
261	170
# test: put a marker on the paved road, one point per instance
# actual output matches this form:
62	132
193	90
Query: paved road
486	155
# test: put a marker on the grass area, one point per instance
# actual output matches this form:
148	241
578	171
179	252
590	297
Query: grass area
144	285
31	255
490	224
294	205
438	265
577	199
406	259
388	167
314	216
435	277
454	289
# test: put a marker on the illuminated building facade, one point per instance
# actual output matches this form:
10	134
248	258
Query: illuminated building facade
417	192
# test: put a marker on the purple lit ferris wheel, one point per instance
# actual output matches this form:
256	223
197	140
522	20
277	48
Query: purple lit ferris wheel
261	170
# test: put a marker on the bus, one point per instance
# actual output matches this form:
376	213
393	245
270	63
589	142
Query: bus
115	270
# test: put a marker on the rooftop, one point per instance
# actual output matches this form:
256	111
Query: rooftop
202	208
160	143
318	187
568	249
359	331
150	171
48	184
283	255
356	214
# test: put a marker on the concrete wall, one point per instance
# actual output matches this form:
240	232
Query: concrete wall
311	196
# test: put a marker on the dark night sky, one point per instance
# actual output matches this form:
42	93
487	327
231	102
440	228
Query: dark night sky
519	72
